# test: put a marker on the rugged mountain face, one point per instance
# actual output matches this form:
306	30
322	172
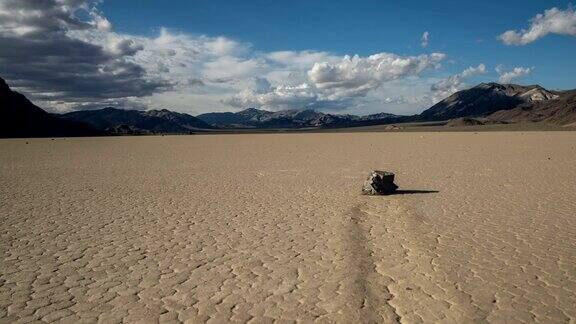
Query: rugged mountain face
119	121
222	118
560	111
21	118
257	118
379	116
485	99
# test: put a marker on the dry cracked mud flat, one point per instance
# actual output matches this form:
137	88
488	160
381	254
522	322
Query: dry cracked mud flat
272	228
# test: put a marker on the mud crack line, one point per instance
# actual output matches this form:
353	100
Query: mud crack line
371	287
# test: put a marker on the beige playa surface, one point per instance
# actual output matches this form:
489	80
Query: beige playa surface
264	227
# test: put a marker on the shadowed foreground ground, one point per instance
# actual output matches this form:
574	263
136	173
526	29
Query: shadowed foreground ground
272	226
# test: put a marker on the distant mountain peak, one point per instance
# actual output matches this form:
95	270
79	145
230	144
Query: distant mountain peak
252	110
485	99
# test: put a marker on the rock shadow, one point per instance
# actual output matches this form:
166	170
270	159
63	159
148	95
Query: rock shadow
412	192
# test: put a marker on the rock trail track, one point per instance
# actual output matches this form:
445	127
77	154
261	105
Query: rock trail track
273	229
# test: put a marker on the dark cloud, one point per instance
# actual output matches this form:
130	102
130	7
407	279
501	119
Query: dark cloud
39	54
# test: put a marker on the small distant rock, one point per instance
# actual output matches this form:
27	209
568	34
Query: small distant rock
393	127
466	121
125	129
379	183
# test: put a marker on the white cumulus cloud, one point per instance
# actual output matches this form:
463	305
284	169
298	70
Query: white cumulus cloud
552	21
454	83
340	84
363	73
515	73
66	55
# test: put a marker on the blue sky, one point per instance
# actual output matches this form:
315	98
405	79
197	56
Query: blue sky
465	30
342	56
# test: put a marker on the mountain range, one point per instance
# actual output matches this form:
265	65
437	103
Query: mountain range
485	103
257	118
120	121
507	103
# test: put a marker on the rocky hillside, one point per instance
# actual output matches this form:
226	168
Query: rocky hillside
485	99
560	111
119	121
21	118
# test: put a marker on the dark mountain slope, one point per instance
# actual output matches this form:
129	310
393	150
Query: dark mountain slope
21	118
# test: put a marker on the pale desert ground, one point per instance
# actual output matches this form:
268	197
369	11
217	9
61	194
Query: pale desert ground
264	227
